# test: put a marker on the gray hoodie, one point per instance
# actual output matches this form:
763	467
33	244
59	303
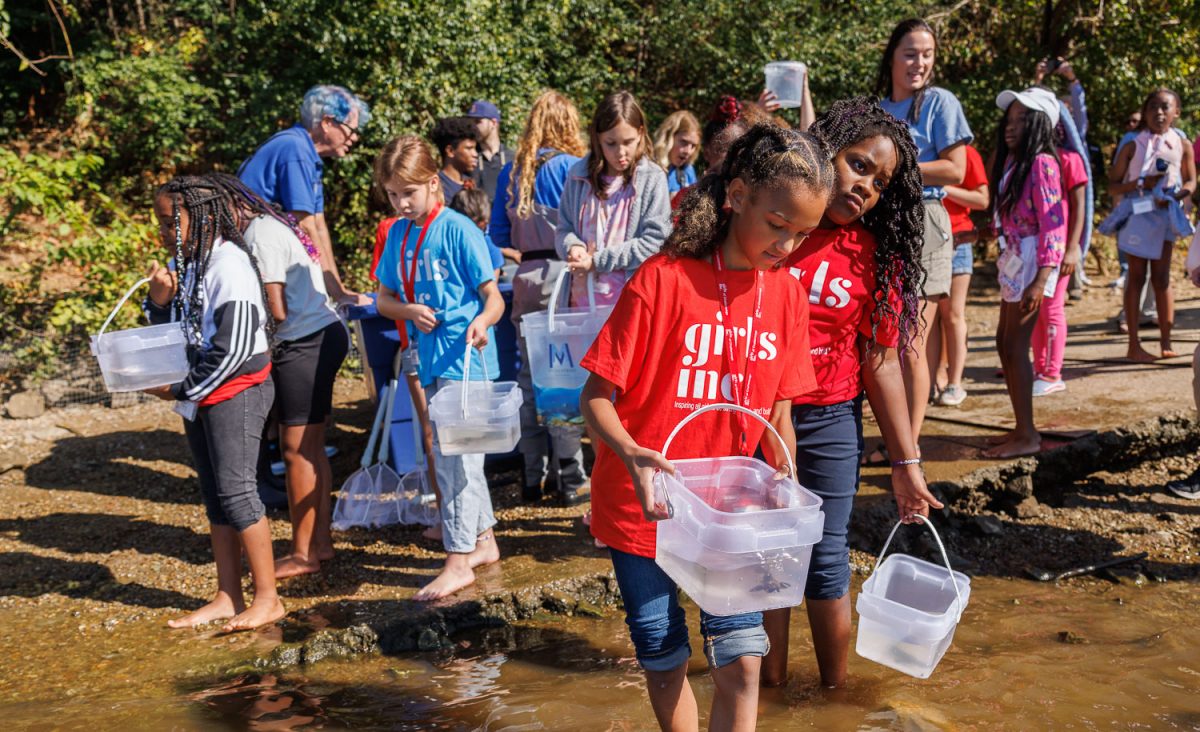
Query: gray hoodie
649	221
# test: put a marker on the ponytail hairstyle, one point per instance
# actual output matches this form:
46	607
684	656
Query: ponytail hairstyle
613	110
897	221
727	112
553	123
409	160
664	139
1038	138
767	156
883	79
211	217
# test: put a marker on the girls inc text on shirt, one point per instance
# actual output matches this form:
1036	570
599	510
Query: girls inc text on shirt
704	367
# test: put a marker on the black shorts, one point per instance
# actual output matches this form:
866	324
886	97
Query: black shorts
304	371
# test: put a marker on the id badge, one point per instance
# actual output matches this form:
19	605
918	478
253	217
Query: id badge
1143	206
1013	266
187	410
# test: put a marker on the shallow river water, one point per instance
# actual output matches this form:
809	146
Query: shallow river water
1128	658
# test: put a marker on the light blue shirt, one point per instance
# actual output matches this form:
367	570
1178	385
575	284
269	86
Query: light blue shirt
940	125
454	263
673	175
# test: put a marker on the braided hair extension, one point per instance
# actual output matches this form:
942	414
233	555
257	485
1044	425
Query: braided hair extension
766	156
210	216
897	221
247	201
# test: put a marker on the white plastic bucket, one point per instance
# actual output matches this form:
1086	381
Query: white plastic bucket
474	417
140	358
786	80
908	610
738	541
556	341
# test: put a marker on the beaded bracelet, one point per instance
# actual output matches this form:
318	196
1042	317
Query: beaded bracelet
907	461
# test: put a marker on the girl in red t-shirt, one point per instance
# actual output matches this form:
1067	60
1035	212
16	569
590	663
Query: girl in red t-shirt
663	353
862	271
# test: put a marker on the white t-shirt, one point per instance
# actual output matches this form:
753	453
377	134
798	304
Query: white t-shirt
282	259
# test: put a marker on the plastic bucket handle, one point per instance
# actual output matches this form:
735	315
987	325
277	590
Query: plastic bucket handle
725	407
121	304
558	283
467	375
941	546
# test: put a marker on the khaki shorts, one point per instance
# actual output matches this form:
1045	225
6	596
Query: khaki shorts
937	253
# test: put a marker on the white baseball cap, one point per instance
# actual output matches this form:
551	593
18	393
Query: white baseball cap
1042	100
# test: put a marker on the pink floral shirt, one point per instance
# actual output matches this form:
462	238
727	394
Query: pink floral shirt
1040	212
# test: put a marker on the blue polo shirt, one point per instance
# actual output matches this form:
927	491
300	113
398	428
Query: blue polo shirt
940	124
286	171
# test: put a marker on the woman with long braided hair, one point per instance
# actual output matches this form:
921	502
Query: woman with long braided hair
217	293
862	270
309	345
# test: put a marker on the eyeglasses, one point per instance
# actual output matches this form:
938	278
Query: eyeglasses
351	132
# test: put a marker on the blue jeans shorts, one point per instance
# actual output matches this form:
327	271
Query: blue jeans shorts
964	260
658	626
829	444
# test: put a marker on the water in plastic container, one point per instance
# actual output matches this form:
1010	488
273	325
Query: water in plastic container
555	351
738	540
490	422
786	80
141	358
908	610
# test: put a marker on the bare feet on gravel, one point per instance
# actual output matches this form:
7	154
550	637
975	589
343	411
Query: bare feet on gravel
1015	447
486	552
221	608
1137	354
1001	439
293	566
261	612
454	577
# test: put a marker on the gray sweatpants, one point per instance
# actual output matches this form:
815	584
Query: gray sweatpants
224	439
466	503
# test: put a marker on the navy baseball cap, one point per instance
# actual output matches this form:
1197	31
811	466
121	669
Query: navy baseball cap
483	110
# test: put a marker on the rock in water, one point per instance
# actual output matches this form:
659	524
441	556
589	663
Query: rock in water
26	405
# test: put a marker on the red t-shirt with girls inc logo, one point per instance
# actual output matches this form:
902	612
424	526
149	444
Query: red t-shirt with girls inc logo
664	349
837	268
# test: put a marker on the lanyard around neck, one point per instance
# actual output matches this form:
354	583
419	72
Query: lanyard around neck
740	389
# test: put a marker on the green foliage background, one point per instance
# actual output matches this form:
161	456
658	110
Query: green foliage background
157	87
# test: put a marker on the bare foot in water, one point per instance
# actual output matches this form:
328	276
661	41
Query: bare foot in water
1137	354
486	552
1015	447
261	612
293	566
221	608
452	579
433	532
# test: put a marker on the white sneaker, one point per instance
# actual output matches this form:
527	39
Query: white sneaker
1118	284
952	395
1042	387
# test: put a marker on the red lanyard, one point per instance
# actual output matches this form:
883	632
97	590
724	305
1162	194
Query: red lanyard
410	282
741	396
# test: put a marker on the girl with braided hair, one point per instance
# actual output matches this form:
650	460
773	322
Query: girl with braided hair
664	353
309	345
217	292
862	270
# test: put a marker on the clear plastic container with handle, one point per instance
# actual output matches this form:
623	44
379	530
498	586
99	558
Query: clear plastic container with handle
140	358
786	80
473	417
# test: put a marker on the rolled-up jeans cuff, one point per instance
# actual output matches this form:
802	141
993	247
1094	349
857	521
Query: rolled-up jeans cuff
668	661
728	647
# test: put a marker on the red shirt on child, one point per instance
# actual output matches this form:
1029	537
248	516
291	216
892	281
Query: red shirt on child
975	176
837	268
663	348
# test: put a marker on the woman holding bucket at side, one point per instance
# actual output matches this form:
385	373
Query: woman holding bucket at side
436	271
228	391
940	130
661	357
862	270
525	217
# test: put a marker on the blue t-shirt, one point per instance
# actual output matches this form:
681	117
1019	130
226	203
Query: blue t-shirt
673	184
548	186
454	264
940	125
286	171
495	253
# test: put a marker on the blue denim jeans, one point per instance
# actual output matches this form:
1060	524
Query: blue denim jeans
658	626
829	444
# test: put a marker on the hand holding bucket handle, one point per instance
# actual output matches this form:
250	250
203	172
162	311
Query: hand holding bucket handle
558	283
941	546
660	484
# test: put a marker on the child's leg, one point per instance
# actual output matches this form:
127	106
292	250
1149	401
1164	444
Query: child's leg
1164	297
1002	352
916	369
777	624
734	645
955	327
1050	334
335	344
421	412
1018	372
1133	296
256	543
302	444
658	629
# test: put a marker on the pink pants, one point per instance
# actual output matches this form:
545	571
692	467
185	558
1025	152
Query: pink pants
1050	334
